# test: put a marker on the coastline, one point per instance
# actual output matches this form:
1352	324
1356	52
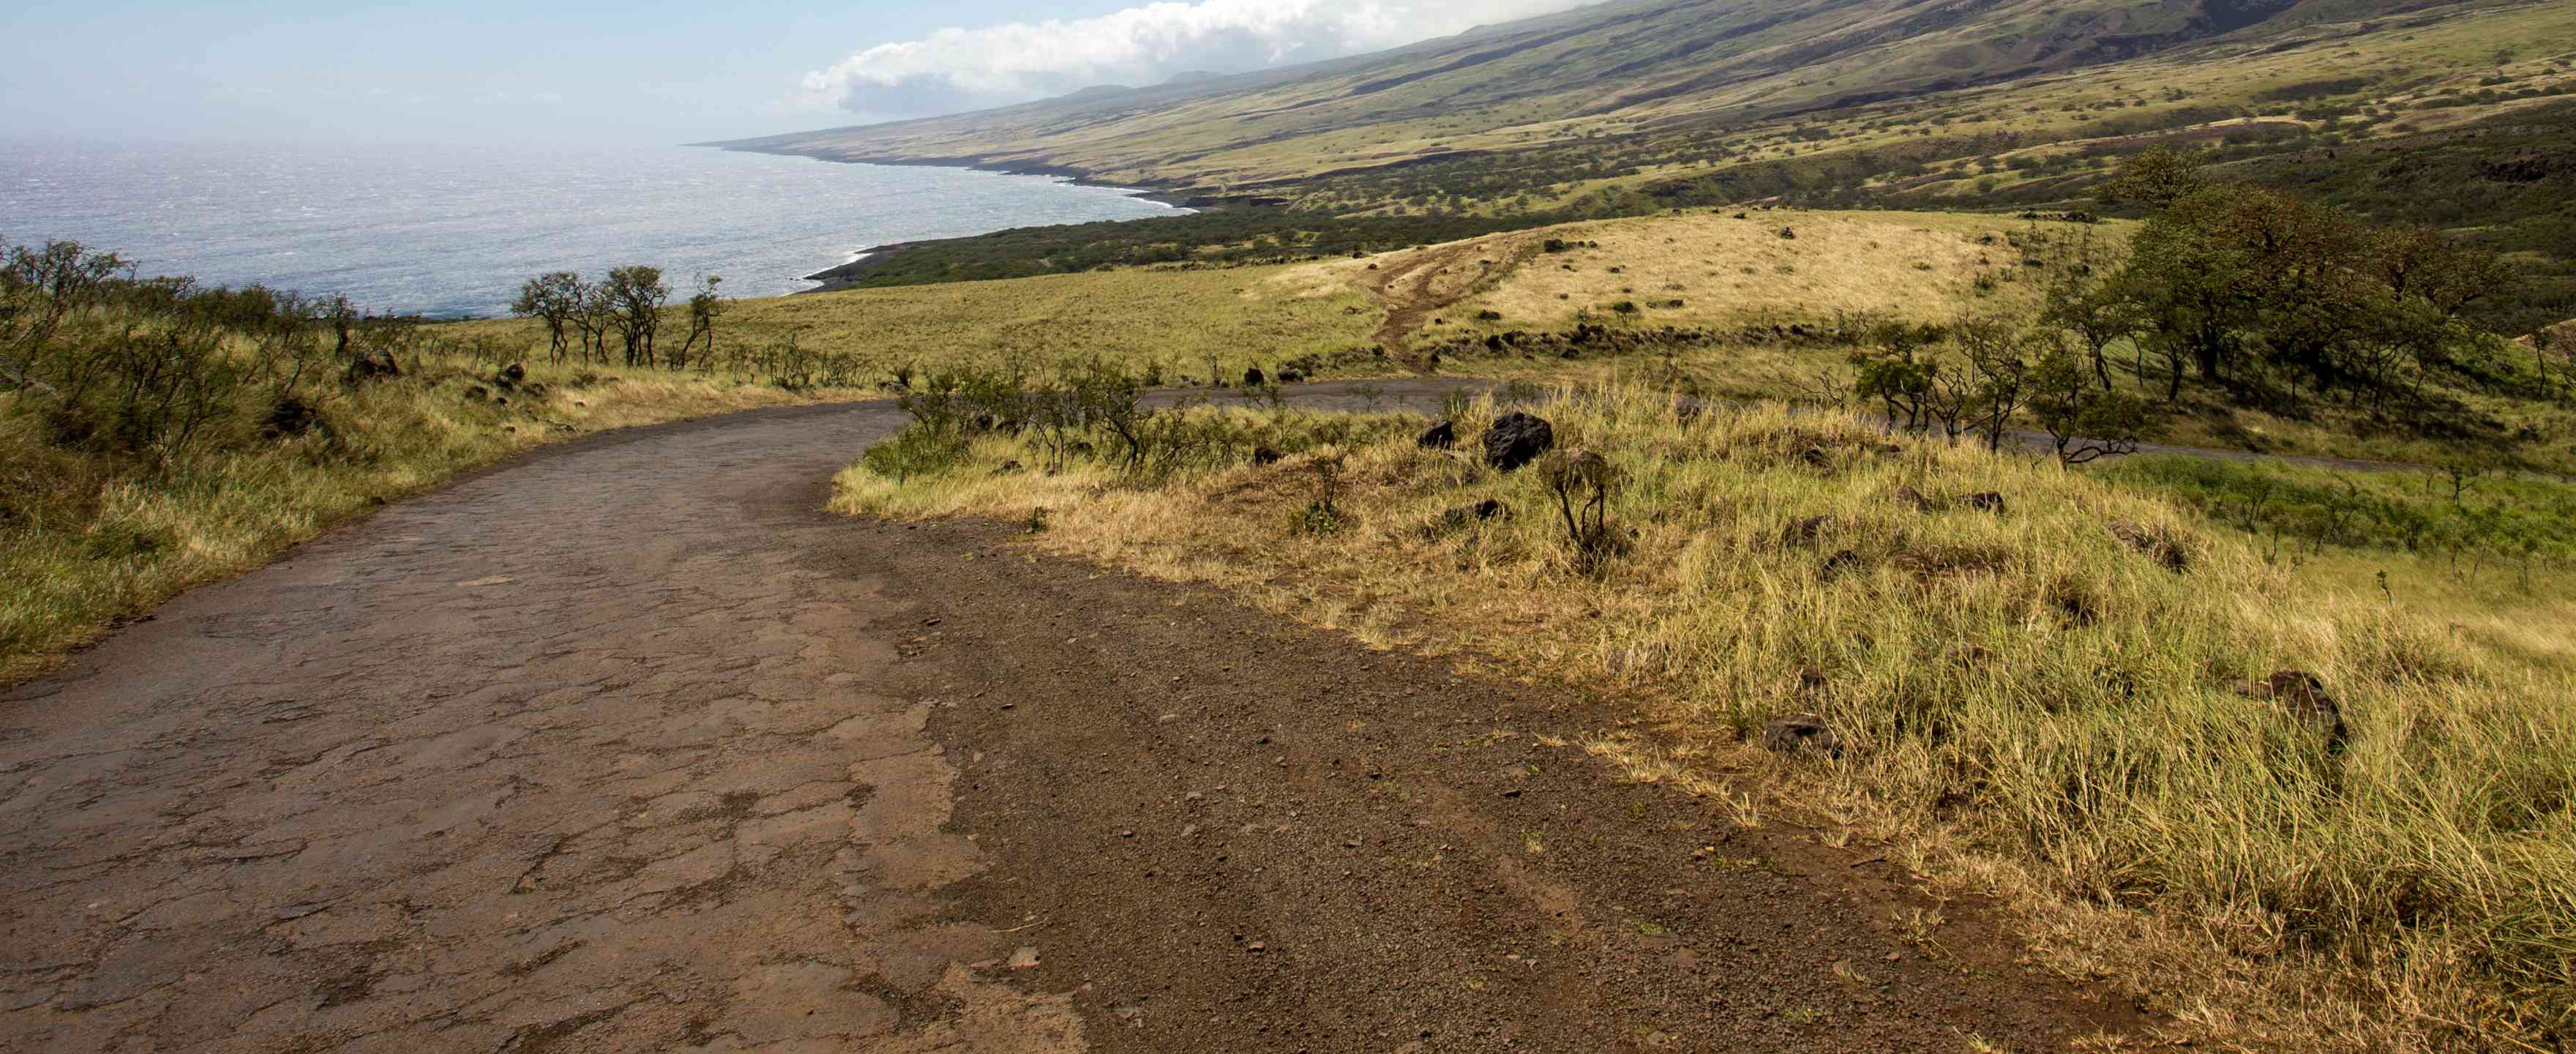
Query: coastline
1165	194
849	274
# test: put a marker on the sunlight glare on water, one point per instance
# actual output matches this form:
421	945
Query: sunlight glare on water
453	230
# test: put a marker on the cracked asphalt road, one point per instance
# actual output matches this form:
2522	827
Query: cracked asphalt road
571	748
624	746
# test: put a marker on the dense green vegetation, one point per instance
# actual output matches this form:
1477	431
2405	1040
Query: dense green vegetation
2468	516
1238	235
2507	182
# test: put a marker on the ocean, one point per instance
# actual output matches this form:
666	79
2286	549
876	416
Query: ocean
451	231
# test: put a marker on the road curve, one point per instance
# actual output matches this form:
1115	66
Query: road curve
538	718
591	751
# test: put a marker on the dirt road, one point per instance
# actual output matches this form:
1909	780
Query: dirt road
626	747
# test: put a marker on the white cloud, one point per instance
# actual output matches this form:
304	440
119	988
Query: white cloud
956	69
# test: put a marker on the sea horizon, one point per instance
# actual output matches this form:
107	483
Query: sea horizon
449	230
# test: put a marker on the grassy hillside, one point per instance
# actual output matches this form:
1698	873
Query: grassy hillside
2078	693
1626	109
1733	76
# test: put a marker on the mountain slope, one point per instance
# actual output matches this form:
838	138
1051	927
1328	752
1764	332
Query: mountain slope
1654	68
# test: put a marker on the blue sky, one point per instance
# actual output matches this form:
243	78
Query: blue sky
590	70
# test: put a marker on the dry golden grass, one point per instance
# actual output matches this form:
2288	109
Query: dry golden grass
1709	269
1254	316
1725	269
88	541
2031	707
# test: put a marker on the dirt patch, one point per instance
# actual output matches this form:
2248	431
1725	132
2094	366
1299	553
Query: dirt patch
1223	830
1417	286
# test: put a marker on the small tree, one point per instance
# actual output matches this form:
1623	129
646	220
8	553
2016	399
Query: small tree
2093	310
40	289
2085	420
635	296
1892	370
1996	382
594	314
704	308
2156	178
553	298
1582	482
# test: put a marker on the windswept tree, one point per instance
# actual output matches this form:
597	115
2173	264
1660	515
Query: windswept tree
635	296
2082	302
1995	383
2421	261
1892	367
2085	418
554	299
705	307
40	289
594	316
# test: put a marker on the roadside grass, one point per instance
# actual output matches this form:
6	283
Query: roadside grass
1177	318
2026	703
86	538
2488	556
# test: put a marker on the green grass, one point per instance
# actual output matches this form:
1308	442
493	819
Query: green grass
2029	704
2489	556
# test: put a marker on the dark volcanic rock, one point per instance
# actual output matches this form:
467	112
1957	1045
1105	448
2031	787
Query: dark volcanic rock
1518	439
373	366
1843	562
1806	531
2302	696
2152	545
292	417
1262	455
1803	735
1468	515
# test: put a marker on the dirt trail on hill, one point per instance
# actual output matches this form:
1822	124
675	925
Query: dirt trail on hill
1421	284
624	746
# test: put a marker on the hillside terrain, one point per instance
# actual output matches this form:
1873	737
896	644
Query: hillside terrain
1633	107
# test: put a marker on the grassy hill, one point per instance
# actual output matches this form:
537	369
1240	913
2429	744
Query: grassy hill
1632	108
1657	88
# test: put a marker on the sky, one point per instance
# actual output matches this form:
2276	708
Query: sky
644	70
